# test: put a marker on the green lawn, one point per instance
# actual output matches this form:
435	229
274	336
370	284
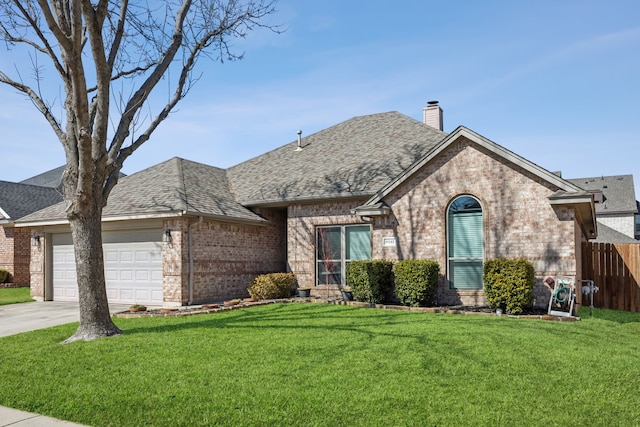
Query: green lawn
328	365
14	295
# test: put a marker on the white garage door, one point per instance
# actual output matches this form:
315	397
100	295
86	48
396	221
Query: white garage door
132	264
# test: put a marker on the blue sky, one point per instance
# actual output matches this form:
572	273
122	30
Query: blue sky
557	82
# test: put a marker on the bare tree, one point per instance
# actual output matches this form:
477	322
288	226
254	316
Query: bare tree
108	52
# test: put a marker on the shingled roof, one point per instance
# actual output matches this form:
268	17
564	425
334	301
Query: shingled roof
353	158
174	187
18	200
619	194
51	178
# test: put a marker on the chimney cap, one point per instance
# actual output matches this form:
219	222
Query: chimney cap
432	102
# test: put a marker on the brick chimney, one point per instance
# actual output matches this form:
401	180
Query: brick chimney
432	115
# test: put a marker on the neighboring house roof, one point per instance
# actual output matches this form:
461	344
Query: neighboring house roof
51	178
609	235
175	187
566	193
618	191
353	158
18	200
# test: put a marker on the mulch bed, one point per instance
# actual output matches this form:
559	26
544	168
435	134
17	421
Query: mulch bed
533	313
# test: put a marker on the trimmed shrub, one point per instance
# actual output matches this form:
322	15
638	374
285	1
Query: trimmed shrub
4	275
508	284
370	280
273	286
416	281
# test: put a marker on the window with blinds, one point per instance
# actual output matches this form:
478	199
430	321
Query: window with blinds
465	243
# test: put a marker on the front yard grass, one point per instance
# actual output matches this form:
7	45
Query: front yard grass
327	365
15	295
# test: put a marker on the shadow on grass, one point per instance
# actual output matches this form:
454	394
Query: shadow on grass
303	317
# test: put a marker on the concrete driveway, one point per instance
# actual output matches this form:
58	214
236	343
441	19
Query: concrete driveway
18	318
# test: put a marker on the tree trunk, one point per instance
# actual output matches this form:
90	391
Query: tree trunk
95	319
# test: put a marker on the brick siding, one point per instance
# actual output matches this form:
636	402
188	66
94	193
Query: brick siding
226	257
518	220
302	221
15	248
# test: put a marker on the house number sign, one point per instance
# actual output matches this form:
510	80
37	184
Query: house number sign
388	242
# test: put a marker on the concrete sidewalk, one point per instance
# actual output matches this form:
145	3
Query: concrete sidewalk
30	316
14	417
25	317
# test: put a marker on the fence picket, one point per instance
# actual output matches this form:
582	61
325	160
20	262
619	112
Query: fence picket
615	269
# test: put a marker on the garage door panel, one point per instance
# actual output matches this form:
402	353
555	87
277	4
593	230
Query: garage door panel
110	256
133	267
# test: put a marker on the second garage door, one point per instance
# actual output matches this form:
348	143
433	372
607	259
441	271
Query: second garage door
132	263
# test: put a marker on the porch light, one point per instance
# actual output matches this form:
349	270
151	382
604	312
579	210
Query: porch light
35	240
166	237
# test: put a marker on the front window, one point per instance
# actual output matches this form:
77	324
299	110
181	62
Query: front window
336	246
465	246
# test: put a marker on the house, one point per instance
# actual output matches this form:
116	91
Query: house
376	186
16	201
616	207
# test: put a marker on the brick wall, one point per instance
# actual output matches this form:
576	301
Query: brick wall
518	219
301	224
226	257
15	254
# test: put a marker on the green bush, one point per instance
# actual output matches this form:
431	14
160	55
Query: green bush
416	281
4	274
370	280
508	284
273	285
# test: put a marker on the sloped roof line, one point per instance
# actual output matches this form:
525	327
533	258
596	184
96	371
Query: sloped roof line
462	131
354	157
162	191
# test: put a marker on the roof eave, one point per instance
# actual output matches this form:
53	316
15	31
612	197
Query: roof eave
585	209
113	218
379	209
228	219
274	203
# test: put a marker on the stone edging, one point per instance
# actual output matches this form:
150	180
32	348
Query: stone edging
191	311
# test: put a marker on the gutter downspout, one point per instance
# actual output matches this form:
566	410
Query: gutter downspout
190	302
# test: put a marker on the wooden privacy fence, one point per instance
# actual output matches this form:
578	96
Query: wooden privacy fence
615	269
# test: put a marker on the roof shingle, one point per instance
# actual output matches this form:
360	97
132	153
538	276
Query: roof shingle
18	200
353	158
175	186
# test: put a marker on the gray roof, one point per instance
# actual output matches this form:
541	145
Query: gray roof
51	178
618	191
176	186
354	158
18	200
609	235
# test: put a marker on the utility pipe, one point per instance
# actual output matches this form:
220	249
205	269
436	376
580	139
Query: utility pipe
190	302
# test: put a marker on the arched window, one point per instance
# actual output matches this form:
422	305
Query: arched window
465	243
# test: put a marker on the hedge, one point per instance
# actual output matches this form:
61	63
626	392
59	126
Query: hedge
416	281
370	280
273	285
508	284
